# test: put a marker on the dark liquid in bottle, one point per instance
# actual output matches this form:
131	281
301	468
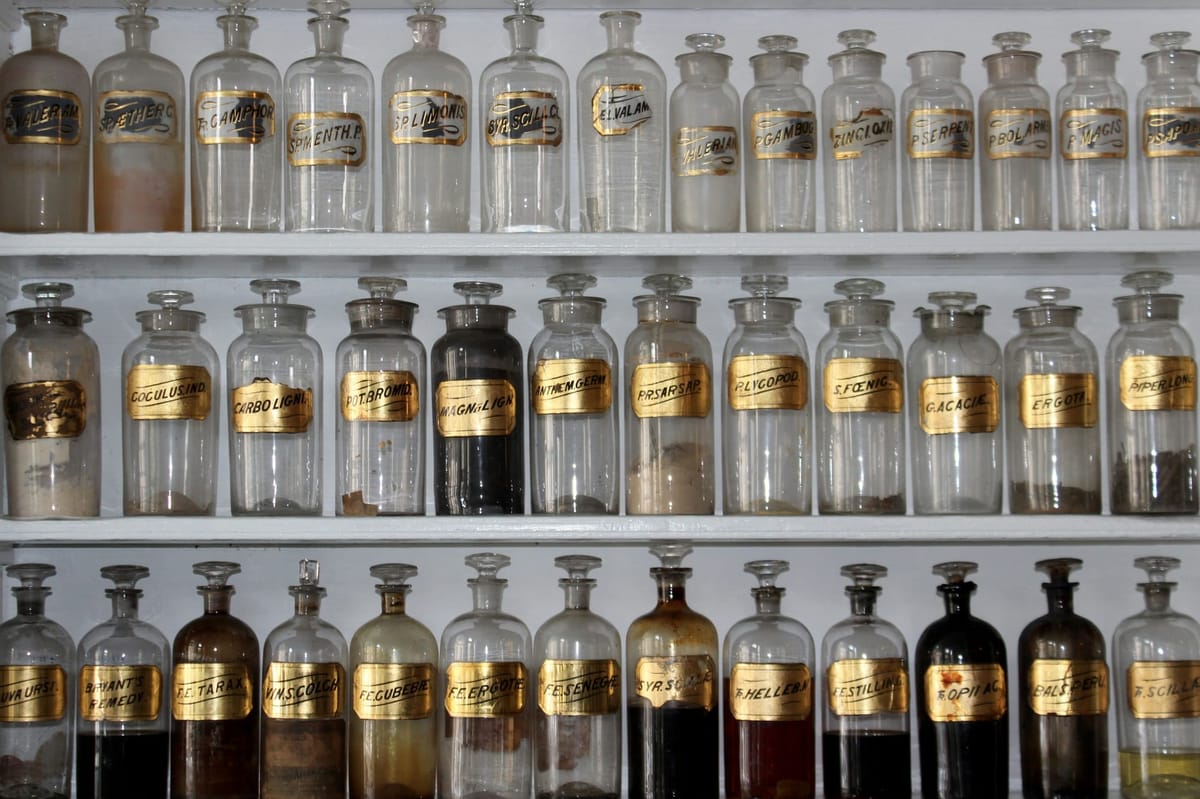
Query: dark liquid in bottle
964	759
673	752
1064	757
768	759
220	759
304	759
121	766
867	765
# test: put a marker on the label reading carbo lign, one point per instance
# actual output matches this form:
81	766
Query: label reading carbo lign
303	690
684	678
45	409
579	687
168	392
32	693
485	690
770	691
862	687
266	407
211	692
671	389
1068	687
120	693
394	691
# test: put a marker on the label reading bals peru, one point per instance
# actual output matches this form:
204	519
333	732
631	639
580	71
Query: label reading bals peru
579	687
32	693
1171	132
671	389
1164	689
1086	133
393	691
120	693
45	409
168	392
211	692
960	404
383	396
862	687
767	382
571	385
1058	401
685	678
303	690
976	692
476	408
1068	687
1158	383
266	407
864	385
1018	133
486	690
770	691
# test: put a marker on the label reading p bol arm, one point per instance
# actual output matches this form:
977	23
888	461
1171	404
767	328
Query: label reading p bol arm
768	382
1164	690
120	693
266	407
671	389
476	408
1068	687
1158	383
579	687
770	692
211	692
32	693
1058	401
864	385
571	385
486	690
864	687
304	690
690	679
45	409
966	692
1018	133
379	396
393	691
960	404
168	392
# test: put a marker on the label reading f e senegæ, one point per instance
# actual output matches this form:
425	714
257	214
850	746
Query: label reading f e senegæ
394	691
864	385
312	691
1158	383
32	694
770	691
266	407
960	404
486	690
45	409
1068	687
966	692
861	687
1059	401
678	388
571	385
690	679
1164	689
579	687
168	392
767	382
120	693
382	396
465	408
211	692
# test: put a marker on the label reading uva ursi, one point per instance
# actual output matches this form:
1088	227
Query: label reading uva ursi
1068	687
476	408
618	108
136	116
974	692
706	150
120	693
1158	383
1085	133
32	693
383	396
1171	132
960	404
873	128
427	116
168	392
1164	689
770	691
45	409
784	134
862	687
303	690
1018	133
524	118
579	687
767	382
571	385
1058	401
266	407
941	133
393	691
671	389
326	138
234	117
690	679
486	690
211	692
864	385
42	116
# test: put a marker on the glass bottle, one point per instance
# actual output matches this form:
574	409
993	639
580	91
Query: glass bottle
381	419
622	154
393	729
237	144
1169	162
1014	172
860	423
44	152
865	742
170	425
766	421
1093	138
768	661
706	194
486	747
274	407
781	134
1053	409
578	744
939	138
955	371
1157	658
51	374
137	151
1151	402
525	102
1063	696
303	745
214	704
37	667
573	437
122	723
962	697
669	437
478	443
860	162
671	691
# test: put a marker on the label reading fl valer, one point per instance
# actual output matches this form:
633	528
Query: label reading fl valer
303	690
266	407
475	408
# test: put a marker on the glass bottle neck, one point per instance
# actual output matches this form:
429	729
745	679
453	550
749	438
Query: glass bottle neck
1091	63
947	66
767	601
571	311
487	596
578	596
865	64
137	33
704	67
1060	600
216	600
266	317
1149	308
523	33
308	602
44	33
957	599
1047	316
1015	67
672	587
124	603
777	68
1172	64
328	33
392	603
427	32
31	601
862	603
1158	598
619	29
237	30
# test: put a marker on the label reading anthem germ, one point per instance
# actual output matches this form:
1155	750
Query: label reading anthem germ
394	691
32	693
579	687
671	389
475	408
770	691
266	407
120	693
168	392
571	385
684	678
618	108
303	690
861	687
211	692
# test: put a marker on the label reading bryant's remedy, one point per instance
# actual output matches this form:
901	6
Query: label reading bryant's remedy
941	133
767	382
579	687
872	128
1171	132
383	396
393	691
1158	383
960	404
1057	401
684	678
234	117
120	693
1068	687
864	385
326	138
136	116
861	687
211	692
266	407
524	118
42	116
770	692
706	150
486	690
571	385
303	690
427	116
168	392
975	692
1018	133
476	408
618	108
784	134
1085	133
1164	689
32	693
671	389
45	409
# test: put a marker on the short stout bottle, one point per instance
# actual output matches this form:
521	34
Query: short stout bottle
938	153
1169	161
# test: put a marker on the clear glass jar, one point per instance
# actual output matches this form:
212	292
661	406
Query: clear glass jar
122	724
622	154
768	661
51	373
381	399
669	437
1151	402
578	743
766	421
1014	172
274	407
574	444
938	172
955	371
237	144
858	108
426	125
865	745
525	102
44	165
171	419
781	136
860	422
1052	402
706	195
1093	138
486	746
1169	162
137	152
36	653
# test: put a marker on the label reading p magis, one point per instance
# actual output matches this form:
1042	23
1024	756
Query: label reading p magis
864	385
394	691
1018	133
1158	383
304	690
770	691
120	693
32	693
618	108
783	134
234	117
767	382
1086	133
168	392
871	129
579	687
1068	687
45	409
1164	689
960	404
211	692
42	116
383	396
1171	132
524	118
266	407
684	678
326	138
486	690
467	408
941	133
706	150
136	116
861	687
1059	401
571	385
966	692
682	388
428	116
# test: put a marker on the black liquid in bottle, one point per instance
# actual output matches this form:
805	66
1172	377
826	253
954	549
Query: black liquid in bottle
121	766
868	764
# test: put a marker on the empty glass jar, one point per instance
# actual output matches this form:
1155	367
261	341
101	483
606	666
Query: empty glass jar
938	187
1169	161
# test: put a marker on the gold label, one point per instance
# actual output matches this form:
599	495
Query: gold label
136	116
1018	133
211	692
266	407
686	678
1068	687
45	409
862	687
619	108
571	385
427	116
381	396
864	385
941	133
524	118
671	389
326	138
1171	132
393	691
872	128
579	687
960	404
767	382
1158	383
770	692
1164	689
783	134
476	408
32	693
485	690
168	391
1056	401
966	692
120	693
310	691
234	117
42	116
1085	133
705	150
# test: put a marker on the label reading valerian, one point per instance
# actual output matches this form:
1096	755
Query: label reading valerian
767	382
671	389
1068	687
485	690
45	409
618	108
684	678
941	133
32	693
42	116
326	138
966	692
136	116
864	385
770	691
466	408
234	117
784	134
211	692
120	693
579	687
1018	133
524	118
960	404
168	392
571	385
393	691
1158	383
303	690
872	128
266	407
383	396
706	150
1171	132
1164	689
862	687
1058	401
1085	133
428	116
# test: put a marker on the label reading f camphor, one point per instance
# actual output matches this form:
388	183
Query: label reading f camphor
1018	133
864	385
705	150
168	392
1068	687
770	691
684	678
941	133
467	408
136	116
861	687
524	118
571	385
1158	383
393	691
234	117
960	404
618	108
1164	689
1171	132
1085	133
120	693
45	409
767	382
383	396
266	407
975	692
671	389
426	116
304	690
32	693
1058	401
42	116
486	690
783	134
872	129
326	138
579	687
211	692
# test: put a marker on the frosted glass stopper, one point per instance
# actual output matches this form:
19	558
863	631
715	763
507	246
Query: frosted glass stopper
477	292
1147	281
856	38
216	572
859	288
170	299
955	572
49	294
764	286
1011	41
666	285
778	43
1156	567
671	555
1091	38
1170	40
705	42
488	564
124	576
767	571
30	575
864	574
577	567
274	291
571	284
1048	295
382	288
1059	569
328	9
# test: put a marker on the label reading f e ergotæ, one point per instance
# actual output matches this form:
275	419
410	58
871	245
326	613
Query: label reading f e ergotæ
1068	687
770	691
861	687
304	690
684	678
681	388
864	385
1058	401
120	693
266	407
486	690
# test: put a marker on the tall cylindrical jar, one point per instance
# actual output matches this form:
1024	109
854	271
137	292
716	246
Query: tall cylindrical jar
1169	162
938	186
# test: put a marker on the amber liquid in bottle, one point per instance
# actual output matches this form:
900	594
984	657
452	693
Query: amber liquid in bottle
774	772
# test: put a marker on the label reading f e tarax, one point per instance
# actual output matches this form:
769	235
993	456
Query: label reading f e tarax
427	116
862	687
168	392
767	382
467	408
1158	383
784	134
394	691
864	385
671	389
1085	133
211	692
684	678
960	404
618	108
1058	401
304	690
266	407
45	409
1018	133
120	693
852	139
579	687
234	117
326	138
1171	132
770	691
383	396
136	116
42	116
1068	687
1164	689
486	690
571	385
524	118
941	133
706	150
976	692
32	693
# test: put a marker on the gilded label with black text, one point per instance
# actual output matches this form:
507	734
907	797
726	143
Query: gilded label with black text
45	409
941	133
136	116
770	691
966	692
1158	383
32	693
671	389
1171	132
476	408
767	382
427	116
394	691
1018	133
871	129
571	385
382	396
783	134
304	690
706	150
691	679
168	391
1085	133
864	385
1167	689
1068	687
266	407
326	138
618	108
579	687
524	118
861	687
960	404
234	117
486	690
1058	401
42	116
211	692
120	693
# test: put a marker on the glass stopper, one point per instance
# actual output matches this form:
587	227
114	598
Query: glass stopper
424	8
633	16
955	572
856	38
864	574
170	299
217	572
666	285
310	572
1048	295
1156	567
764	286
136	8
48	294
393	576
124	576
523	8
382	288
767	571
476	292
1012	41
274	291
577	567
329	9
953	302
235	7
1147	281
30	575
705	42
487	564
858	289
1091	38
571	284
1168	41
778	43
671	555
1059	569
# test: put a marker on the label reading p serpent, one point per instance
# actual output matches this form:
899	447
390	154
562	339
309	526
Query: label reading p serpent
1158	383
32	693
211	692
579	687
770	692
45	409
120	693
168	392
383	396
941	133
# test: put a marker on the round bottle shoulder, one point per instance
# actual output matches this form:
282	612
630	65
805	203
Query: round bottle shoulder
41	69
214	639
581	631
961	639
292	641
1057	636
768	633
130	640
29	641
394	638
667	630
236	70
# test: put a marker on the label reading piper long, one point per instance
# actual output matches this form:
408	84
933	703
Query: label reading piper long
326	138
977	692
770	692
393	691
960	404
864	385
861	687
764	382
685	678
706	150
571	385
168	391
1068	687
1158	383
941	133
234	117
671	389
1057	401
618	108
303	690
120	693
136	116
1085	133
1164	689
1018	133
383	396
266	407
32	693
524	118
783	134
45	409
211	692
485	690
42	116
1171	132
579	687
476	408
426	116
873	127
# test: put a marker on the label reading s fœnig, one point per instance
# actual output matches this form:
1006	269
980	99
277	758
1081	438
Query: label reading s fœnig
976	692
120	693
266	407
680	389
941	133
1086	133
383	396
579	687
211	692
475	408
767	382
168	392
136	116
706	150
1158	383
1164	689
303	690
45	409
770	691
486	690
862	687
1058	401
864	385
42	116
234	117
32	693
393	691
872	128
1068	687
618	108
1171	132
783	134
571	385
960	404
326	138
427	116
685	678
524	118
1018	133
